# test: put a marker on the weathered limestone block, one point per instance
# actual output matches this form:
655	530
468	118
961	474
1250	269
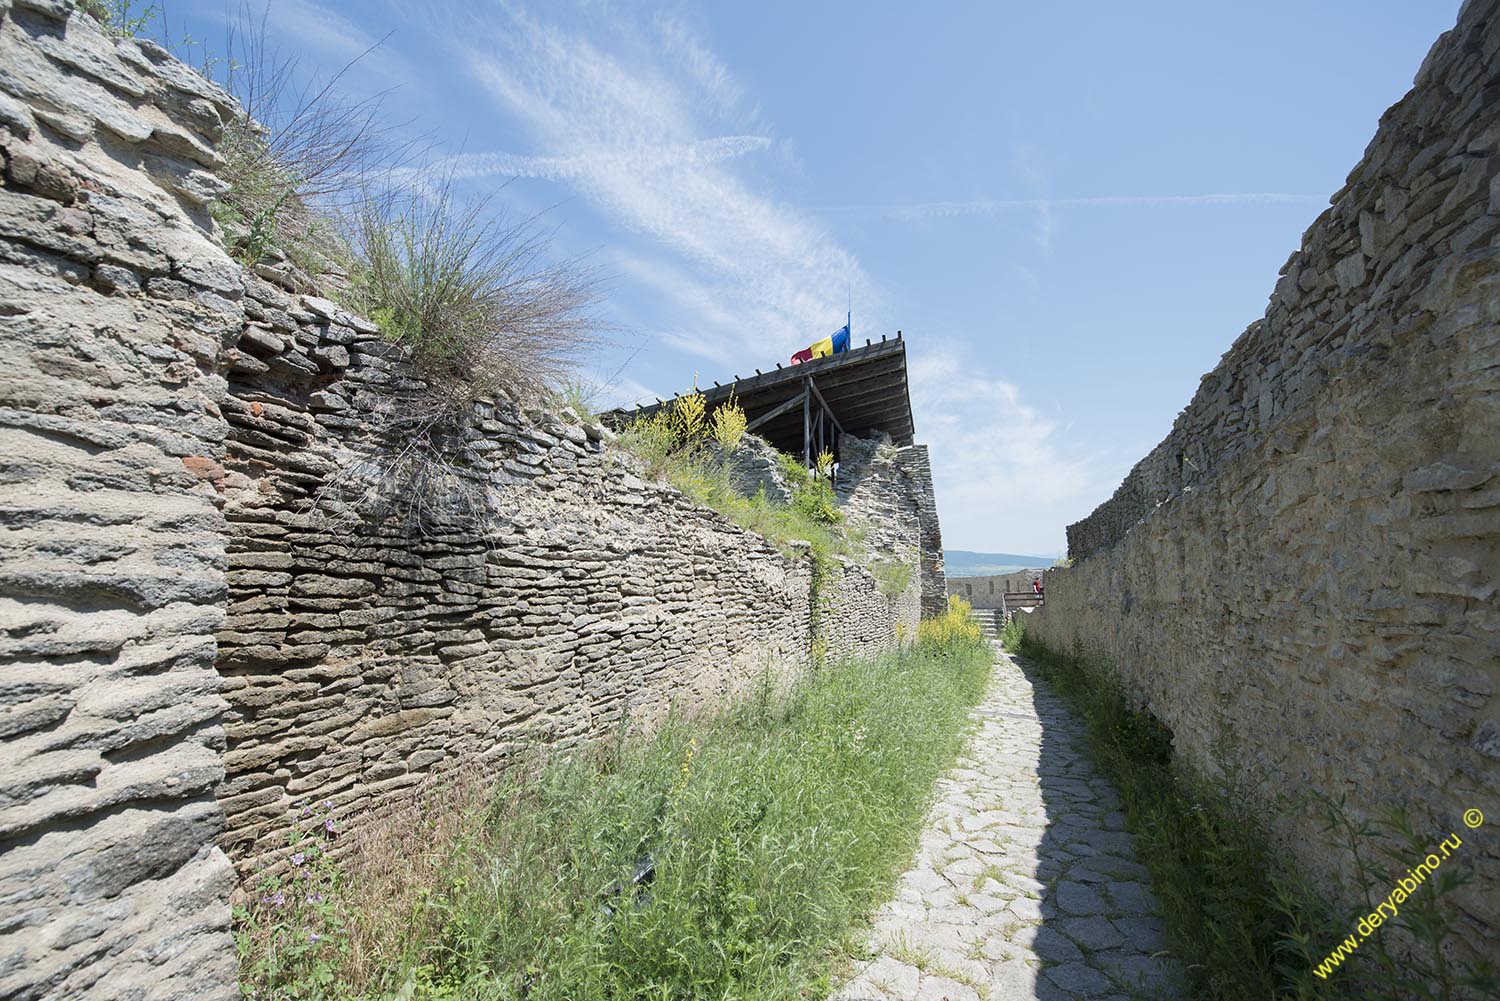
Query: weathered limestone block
113	297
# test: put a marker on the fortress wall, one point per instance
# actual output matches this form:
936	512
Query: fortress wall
547	593
888	491
113	304
227	587
1301	581
987	591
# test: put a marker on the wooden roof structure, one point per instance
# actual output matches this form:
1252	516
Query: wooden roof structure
801	409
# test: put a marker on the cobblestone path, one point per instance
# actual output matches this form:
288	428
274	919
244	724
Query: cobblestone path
1025	884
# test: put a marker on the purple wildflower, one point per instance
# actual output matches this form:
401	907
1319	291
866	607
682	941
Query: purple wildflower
298	859
314	937
328	825
314	898
279	899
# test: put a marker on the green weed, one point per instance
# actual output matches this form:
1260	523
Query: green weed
893	576
121	18
1011	633
724	856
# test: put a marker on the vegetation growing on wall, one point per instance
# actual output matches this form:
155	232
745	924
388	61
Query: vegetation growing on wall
729	425
893	576
674	445
470	294
724	856
121	18
1244	922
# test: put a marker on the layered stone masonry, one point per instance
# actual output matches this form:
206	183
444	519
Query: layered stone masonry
114	300
552	593
1308	596
1423	194
388	619
888	490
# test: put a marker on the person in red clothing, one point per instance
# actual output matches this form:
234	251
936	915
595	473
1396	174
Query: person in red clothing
1036	585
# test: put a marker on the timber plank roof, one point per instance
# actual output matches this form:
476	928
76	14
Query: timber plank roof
865	388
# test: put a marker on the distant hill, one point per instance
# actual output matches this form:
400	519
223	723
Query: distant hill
962	563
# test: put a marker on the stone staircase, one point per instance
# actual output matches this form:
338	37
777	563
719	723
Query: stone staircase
991	620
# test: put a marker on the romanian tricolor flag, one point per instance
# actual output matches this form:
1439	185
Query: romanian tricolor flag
837	344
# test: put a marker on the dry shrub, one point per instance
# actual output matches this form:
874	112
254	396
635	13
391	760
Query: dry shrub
472	295
296	151
486	321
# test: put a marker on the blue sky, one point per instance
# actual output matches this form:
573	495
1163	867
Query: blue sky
1070	211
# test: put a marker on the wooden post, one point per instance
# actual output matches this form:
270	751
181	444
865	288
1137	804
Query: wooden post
806	423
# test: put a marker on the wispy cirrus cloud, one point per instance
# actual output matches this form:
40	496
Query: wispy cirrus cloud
639	160
999	206
312	27
647	131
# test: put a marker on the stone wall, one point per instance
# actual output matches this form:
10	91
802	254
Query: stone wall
244	565
548	592
1301	580
888	490
986	591
113	303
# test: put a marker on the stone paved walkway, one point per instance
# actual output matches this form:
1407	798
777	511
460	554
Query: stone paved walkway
1025	885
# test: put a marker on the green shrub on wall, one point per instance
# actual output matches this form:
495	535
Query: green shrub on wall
893	576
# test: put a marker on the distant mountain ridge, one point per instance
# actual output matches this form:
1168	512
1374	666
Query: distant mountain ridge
963	563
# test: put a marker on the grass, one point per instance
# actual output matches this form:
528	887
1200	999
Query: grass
732	855
893	576
1245	924
673	445
325	183
470	294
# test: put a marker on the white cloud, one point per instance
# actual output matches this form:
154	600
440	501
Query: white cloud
623	391
1026	160
626	127
998	206
1004	482
311	26
640	160
679	42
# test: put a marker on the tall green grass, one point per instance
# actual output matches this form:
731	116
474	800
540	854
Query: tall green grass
769	831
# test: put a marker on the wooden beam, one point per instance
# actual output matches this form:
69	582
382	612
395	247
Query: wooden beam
814	387
772	415
818	366
806	420
853	410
